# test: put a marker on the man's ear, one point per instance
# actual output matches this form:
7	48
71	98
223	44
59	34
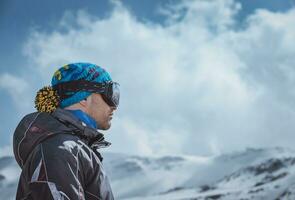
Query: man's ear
84	102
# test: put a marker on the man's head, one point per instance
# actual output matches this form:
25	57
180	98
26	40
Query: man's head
87	87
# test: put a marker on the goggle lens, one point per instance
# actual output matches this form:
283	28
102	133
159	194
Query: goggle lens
112	94
115	94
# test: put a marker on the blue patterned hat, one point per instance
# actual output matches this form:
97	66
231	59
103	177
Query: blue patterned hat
78	71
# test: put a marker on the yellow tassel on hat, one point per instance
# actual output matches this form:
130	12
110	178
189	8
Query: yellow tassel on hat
46	100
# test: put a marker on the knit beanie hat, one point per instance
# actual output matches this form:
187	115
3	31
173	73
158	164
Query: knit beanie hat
47	99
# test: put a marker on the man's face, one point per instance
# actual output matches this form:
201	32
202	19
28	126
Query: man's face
98	109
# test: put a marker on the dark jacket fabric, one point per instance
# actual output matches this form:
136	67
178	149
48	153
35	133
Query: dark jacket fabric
59	158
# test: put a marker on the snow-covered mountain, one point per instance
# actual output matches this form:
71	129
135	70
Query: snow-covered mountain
252	174
9	172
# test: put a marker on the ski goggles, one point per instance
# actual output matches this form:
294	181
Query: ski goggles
109	90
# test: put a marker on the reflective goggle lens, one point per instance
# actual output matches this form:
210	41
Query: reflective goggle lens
115	94
112	94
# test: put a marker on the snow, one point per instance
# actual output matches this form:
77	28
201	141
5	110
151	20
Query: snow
250	174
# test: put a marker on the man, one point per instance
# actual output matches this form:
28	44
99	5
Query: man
56	147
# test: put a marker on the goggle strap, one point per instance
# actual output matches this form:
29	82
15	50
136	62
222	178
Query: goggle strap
79	85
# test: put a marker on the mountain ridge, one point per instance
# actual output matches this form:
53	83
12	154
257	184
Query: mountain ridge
249	174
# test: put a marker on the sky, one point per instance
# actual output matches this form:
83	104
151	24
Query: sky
197	77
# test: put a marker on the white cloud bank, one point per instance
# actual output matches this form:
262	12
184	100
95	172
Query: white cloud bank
17	88
197	85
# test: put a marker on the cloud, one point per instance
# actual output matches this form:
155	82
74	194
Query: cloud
6	151
200	83
17	88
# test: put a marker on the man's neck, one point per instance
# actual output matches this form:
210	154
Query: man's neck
84	117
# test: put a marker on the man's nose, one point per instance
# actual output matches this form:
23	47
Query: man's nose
114	108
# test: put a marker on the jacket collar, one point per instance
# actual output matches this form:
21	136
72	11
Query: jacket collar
92	136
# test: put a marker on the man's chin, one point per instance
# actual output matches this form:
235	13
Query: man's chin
106	127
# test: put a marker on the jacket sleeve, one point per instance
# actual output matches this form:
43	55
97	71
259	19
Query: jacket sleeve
55	174
97	183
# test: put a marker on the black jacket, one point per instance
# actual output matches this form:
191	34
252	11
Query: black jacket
59	158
